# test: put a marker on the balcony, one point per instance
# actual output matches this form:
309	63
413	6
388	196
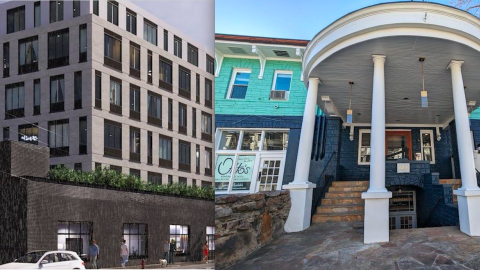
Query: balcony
115	109
58	62
208	103
57	107
182	129
184	93
77	104
28	68
279	95
98	103
165	85
59	151
134	115
83	57
15	113
112	152
165	163
184	167
36	110
112	63
135	157
155	121
206	137
135	73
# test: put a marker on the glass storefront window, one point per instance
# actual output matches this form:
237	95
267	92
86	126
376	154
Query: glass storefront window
275	141
243	173
223	171
251	140
229	140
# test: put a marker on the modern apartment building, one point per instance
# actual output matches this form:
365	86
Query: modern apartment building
105	83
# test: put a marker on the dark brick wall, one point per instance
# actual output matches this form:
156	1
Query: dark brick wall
414	178
257	121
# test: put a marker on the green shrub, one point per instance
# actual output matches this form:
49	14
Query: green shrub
110	178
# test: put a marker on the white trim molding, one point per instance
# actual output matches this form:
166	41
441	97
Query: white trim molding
261	58
432	141
219	61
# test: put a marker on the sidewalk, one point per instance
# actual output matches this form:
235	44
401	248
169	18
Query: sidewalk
178	265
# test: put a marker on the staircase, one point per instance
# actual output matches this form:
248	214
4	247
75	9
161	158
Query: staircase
342	202
456	183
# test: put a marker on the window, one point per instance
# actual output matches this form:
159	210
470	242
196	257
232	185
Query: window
28	133
112	139
210	65
149	67
78	90
131	22
206	126
197	81
6	133
6	60
184	82
194	122
170	114
82	50
177	46
180	235
96	7
197	159
134	144
112	12
76	8
15	19
113	50
211	242
37	14
165	74
208	93
183	155
251	140
165	40
149	31
239	84
134	60
14	100
116	169
282	80
275	141
170	180
74	236
58	48
428	148
364	147
208	161
229	140
192	55
134	102
154	109
36	96
56	11
154	178
149	147
165	151
98	89
82	147
115	95
182	118
135	235
77	167
58	138
57	93
182	181
28	55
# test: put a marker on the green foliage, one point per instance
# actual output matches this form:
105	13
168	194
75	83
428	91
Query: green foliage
111	178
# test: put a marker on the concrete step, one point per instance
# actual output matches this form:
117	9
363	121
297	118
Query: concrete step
337	209
342	201
352	188
324	217
450	181
343	194
350	183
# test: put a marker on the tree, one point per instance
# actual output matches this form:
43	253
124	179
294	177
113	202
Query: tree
471	6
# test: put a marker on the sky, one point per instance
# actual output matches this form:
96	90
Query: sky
296	19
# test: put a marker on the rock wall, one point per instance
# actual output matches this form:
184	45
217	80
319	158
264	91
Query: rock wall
245	222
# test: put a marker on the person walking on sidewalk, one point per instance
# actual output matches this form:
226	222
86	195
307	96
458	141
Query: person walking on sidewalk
172	251
92	256
166	248
205	252
124	253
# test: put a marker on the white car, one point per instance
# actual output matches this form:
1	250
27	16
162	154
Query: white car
47	260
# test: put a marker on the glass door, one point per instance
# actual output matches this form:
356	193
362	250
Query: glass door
269	174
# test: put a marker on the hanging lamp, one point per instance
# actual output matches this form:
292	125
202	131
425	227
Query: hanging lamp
350	111
423	93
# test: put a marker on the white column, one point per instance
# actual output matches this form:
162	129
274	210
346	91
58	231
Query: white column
301	190
469	194
376	221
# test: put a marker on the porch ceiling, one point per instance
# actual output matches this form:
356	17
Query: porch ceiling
402	78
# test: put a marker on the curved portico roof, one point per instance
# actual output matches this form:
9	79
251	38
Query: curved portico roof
404	32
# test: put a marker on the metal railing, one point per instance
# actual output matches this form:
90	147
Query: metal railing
328	175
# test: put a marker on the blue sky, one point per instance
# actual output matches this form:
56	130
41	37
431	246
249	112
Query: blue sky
298	19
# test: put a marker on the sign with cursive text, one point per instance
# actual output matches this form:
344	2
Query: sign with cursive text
223	171
243	172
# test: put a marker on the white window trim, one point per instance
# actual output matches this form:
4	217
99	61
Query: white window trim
275	79
360	134
232	80
433	143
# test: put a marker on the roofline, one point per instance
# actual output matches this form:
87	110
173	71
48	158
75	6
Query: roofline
261	40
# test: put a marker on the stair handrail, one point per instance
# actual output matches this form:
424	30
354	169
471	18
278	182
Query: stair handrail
323	182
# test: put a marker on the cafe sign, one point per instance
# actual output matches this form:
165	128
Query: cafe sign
242	173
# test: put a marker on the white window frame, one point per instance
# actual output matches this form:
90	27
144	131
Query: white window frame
232	80
433	144
275	79
360	134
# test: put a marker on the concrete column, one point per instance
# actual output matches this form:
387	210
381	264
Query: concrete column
469	194
376	222
301	190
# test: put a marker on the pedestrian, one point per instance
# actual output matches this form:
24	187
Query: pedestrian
166	248
92	256
124	253
172	251
205	252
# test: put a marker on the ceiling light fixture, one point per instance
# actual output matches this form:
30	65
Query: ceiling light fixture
350	111
423	93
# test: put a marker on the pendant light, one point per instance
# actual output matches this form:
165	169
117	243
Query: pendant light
350	111
423	93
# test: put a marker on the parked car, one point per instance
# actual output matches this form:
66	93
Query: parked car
43	259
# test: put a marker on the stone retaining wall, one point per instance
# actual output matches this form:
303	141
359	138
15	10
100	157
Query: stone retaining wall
245	222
